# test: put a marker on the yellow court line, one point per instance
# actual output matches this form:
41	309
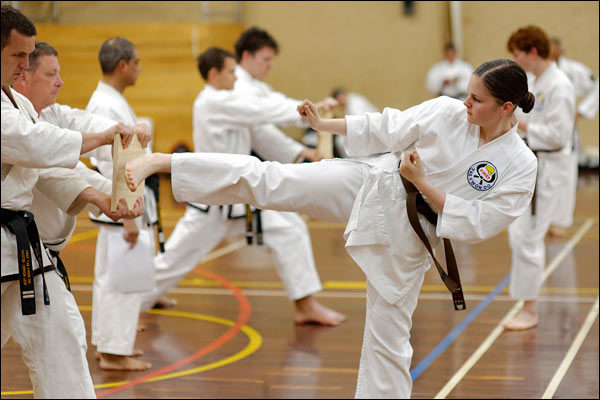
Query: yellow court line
353	285
78	237
254	342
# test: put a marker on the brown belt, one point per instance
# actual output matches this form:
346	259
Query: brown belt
415	204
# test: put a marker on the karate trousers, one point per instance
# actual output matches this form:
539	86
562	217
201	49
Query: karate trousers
567	193
115	315
52	341
526	236
326	191
198	232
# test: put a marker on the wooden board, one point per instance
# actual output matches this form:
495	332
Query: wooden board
120	158
325	142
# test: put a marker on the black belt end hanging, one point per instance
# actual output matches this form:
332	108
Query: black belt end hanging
248	225
458	299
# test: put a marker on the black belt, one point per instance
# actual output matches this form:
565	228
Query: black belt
415	204
248	215
537	174
259	231
22	225
60	269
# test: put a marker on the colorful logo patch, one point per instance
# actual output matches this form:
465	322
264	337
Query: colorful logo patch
482	175
539	102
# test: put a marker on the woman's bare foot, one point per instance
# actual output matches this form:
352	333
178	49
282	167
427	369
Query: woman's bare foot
138	169
527	318
121	363
308	310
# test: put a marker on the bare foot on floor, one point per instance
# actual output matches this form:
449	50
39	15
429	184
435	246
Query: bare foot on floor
138	169
135	353
309	311
165	302
523	320
122	363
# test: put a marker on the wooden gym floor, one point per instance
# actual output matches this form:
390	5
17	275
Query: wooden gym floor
232	336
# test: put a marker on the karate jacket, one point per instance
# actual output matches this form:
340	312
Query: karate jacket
585	85
26	146
56	226
106	101
285	149
486	187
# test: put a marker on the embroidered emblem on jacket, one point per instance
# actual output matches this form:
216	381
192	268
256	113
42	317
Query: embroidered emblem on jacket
539	102
482	175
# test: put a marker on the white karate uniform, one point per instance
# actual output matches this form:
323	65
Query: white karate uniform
486	188
356	104
115	314
53	339
443	70
584	82
550	126
224	122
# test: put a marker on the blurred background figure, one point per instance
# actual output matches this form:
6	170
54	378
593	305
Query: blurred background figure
350	103
450	76
585	84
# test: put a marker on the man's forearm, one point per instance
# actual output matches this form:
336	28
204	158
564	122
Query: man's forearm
92	140
88	195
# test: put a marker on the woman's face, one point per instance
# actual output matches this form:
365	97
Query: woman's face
482	108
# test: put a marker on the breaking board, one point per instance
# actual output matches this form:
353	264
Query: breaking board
119	186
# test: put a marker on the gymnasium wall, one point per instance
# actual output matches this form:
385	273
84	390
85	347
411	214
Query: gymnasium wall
487	25
371	47
169	81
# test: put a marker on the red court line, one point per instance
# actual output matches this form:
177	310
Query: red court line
243	317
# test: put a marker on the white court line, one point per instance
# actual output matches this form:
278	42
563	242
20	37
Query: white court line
230	248
487	343
566	362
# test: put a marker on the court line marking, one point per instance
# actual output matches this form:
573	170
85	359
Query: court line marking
572	352
497	331
242	319
351	295
254	343
334	287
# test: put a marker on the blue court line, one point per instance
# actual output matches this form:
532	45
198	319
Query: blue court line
447	341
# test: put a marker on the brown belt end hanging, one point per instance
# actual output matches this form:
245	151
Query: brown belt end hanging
415	204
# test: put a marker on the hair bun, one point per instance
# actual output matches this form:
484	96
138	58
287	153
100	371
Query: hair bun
527	103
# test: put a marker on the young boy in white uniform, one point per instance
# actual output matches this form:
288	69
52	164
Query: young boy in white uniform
115	313
255	50
225	122
470	164
549	131
46	325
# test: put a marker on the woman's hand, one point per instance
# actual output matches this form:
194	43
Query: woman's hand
411	168
309	113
